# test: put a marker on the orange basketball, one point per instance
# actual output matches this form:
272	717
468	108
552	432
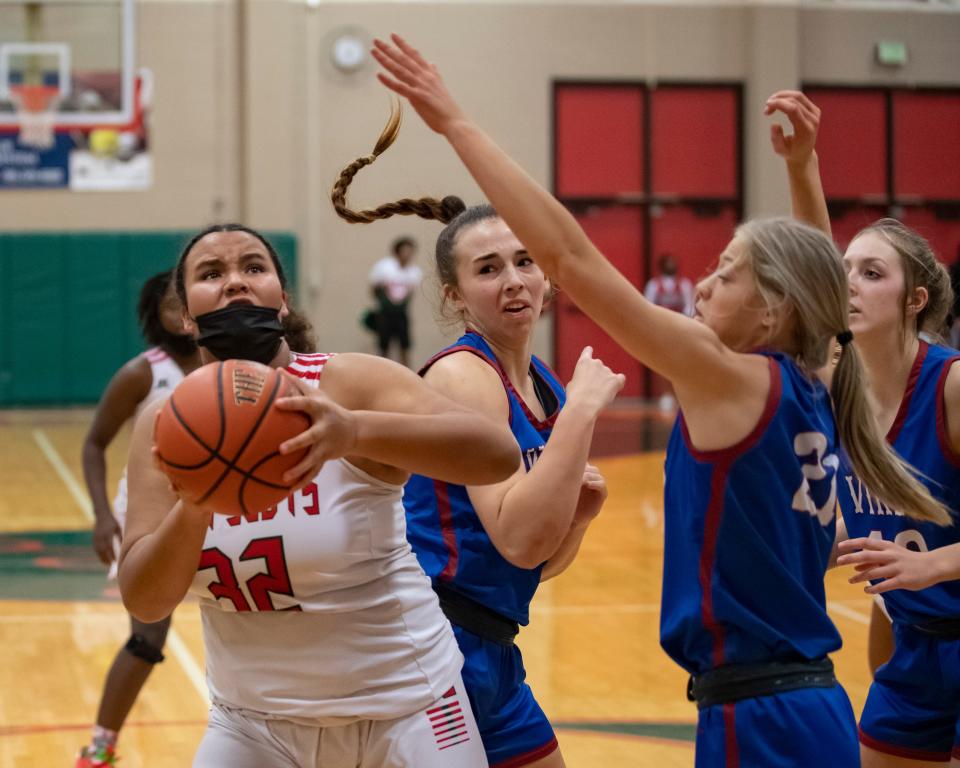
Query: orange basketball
218	437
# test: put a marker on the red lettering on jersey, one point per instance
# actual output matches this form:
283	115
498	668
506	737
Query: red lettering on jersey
310	492
261	586
226	585
252	517
276	579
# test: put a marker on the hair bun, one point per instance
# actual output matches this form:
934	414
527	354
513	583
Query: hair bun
452	206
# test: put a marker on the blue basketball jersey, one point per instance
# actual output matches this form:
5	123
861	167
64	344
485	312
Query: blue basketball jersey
444	529
919	436
748	533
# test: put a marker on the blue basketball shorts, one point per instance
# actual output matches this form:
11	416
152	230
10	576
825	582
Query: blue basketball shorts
797	729
514	730
913	708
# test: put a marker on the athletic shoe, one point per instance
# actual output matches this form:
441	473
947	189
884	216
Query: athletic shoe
97	757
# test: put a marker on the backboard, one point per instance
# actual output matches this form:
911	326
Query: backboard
80	53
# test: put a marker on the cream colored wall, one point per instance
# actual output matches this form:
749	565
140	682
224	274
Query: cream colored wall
500	60
302	120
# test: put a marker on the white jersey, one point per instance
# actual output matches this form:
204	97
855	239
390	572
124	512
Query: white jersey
317	610
165	375
397	280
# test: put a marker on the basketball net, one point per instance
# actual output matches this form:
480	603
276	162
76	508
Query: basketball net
36	112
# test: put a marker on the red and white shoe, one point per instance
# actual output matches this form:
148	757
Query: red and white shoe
97	757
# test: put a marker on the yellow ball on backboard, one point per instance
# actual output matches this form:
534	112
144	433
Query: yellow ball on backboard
104	142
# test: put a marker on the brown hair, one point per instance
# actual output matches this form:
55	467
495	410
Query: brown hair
451	210
799	270
921	269
426	207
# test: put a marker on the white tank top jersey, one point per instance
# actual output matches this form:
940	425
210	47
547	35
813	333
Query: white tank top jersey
165	375
317	610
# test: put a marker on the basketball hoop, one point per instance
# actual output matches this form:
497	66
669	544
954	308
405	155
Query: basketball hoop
36	112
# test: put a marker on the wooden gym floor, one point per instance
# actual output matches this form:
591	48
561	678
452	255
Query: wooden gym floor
591	648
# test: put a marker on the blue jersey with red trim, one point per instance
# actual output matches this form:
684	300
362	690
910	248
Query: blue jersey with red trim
919	436
443	527
748	533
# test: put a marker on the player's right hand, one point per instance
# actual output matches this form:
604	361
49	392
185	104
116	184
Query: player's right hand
105	530
804	117
331	435
412	77
594	385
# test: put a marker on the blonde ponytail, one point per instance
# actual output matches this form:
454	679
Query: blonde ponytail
798	266
887	476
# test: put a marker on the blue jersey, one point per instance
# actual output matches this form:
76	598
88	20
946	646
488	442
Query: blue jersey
444	529
919	436
748	533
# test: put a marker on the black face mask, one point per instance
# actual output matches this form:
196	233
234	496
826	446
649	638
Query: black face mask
177	344
241	332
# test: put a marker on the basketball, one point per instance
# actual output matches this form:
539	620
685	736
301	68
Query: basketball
219	433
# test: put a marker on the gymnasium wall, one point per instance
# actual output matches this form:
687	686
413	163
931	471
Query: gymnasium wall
68	307
251	121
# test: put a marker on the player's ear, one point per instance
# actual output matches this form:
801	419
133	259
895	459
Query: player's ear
284	309
451	296
918	301
188	324
549	296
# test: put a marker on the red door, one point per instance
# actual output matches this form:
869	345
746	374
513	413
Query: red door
618	232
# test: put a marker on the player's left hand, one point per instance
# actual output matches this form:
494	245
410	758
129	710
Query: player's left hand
804	117
897	566
412	77
593	493
332	435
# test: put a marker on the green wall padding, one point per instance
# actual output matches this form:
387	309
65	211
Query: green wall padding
68	304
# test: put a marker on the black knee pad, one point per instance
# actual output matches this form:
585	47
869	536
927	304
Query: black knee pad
140	647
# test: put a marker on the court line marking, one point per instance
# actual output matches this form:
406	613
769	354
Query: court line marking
30	618
630	737
834	606
580	609
848	613
190	667
838	606
21	730
64	472
174	641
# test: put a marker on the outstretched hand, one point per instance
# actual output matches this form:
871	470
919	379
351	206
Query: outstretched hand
804	117
417	81
897	566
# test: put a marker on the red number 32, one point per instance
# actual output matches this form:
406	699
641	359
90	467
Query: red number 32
274	580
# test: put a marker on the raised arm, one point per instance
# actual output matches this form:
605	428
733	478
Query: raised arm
529	516
126	390
686	352
797	150
384	418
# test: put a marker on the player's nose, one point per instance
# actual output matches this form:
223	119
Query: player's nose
236	282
